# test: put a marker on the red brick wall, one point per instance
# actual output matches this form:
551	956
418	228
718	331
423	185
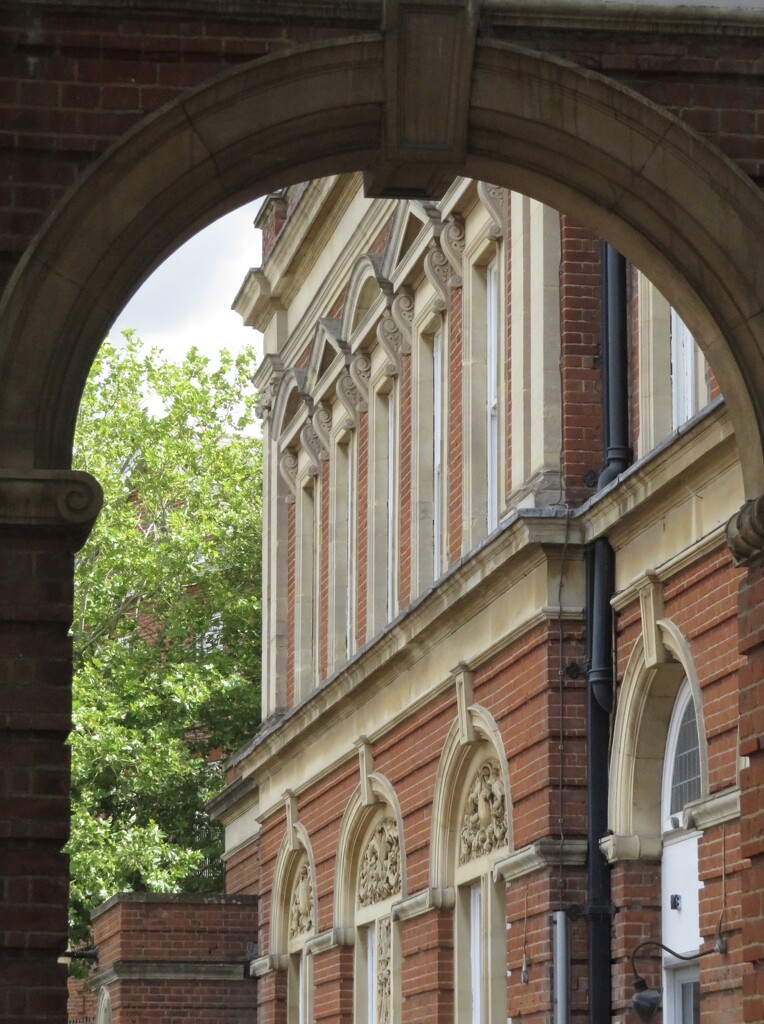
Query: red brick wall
580	342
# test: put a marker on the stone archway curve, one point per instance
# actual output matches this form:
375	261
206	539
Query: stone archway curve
672	203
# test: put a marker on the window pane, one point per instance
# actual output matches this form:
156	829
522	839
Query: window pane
685	777
476	958
691	1002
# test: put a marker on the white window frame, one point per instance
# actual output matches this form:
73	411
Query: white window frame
684	390
391	505
493	403
305	662
438	447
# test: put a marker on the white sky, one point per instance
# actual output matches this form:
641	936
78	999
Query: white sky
187	300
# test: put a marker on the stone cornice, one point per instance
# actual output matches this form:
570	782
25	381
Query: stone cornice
631	17
235	798
424	902
59	501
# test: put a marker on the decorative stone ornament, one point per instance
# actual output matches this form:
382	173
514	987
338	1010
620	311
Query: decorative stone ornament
484	827
491	196
380	875
288	470
384	935
301	910
745	532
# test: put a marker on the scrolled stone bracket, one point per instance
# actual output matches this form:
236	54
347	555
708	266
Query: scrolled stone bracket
745	532
65	502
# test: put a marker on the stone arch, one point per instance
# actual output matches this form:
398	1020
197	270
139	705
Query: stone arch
293	850
463	751
647	698
356	821
669	201
365	285
289	398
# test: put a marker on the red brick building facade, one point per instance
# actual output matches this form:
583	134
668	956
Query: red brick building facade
531	99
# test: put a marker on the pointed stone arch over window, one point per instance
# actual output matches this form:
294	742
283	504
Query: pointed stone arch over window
471	833
660	665
370	880
368	292
294	915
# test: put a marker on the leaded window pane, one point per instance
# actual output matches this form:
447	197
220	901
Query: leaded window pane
685	777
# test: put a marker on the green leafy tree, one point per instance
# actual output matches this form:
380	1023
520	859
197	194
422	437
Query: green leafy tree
167	618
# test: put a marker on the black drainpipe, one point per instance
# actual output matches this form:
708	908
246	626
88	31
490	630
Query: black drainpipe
599	632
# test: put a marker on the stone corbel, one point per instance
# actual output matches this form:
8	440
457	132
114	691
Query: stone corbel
268	963
452	244
491	198
65	502
366	768
745	532
436	268
330	939
462	677
350	398
314	449
631	847
322	424
390	338
540	855
288	470
402	311
441	898
360	374
651	609
290	807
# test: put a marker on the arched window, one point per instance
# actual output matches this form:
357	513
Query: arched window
300	925
378	887
480	927
680	923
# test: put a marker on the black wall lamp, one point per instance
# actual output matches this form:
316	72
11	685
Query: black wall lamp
646	1001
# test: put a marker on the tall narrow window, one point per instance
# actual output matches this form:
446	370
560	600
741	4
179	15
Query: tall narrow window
492	393
476	955
371	974
683	373
349	542
391	545
680	884
437	453
306	581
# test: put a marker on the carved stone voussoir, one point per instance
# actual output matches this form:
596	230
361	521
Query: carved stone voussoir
63	501
745	532
484	826
301	910
380	875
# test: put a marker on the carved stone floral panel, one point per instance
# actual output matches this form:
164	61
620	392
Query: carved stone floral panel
380	875
301	910
484	824
384	934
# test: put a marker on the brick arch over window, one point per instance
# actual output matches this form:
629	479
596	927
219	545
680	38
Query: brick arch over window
641	727
671	202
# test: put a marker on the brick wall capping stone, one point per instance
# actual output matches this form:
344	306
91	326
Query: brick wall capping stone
542	854
174	899
194	971
57	501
